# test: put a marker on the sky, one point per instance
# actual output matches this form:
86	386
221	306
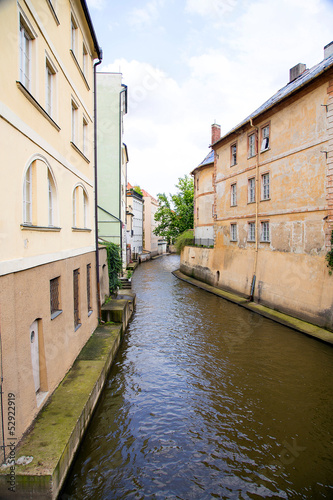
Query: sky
191	63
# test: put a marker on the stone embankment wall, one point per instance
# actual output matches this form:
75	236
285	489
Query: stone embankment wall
299	285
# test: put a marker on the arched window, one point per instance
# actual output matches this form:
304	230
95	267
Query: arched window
39	194
80	207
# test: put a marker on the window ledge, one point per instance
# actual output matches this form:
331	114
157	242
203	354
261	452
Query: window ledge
33	101
53	12
266	199
79	68
252	156
233	165
81	229
78	150
264	241
32	227
233	205
56	314
264	150
251	241
251	202
77	327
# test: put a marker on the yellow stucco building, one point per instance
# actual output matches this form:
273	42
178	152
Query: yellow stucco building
273	194
48	304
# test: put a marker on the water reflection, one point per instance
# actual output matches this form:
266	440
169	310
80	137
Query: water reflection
208	400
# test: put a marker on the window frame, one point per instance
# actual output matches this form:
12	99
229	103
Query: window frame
265	186
27	196
76	298
26	38
55	297
263	137
233	194
233	154
89	294
74	37
251	190
233	232
251	233
265	234
74	116
85	136
252	147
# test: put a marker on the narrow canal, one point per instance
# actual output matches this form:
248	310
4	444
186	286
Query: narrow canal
208	400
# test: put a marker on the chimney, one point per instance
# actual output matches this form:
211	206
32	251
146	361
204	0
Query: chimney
296	71
216	132
328	50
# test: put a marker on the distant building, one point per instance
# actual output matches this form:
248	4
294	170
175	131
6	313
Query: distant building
273	201
204	196
112	160
150	240
134	225
47	258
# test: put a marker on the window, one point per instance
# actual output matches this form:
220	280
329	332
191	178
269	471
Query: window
76	297
25	55
265	190
251	231
233	155
27	197
197	183
265	236
49	87
39	195
84	60
251	190
50	202
197	212
73	34
233	232
55	297
233	193
252	145
80	208
85	137
265	138
74	121
89	288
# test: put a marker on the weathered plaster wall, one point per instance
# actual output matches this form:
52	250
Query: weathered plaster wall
25	298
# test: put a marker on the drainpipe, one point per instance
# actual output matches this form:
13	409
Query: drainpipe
124	90
253	284
95	179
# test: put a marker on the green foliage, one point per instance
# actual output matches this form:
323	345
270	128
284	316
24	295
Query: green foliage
184	239
114	265
138	190
175	213
329	256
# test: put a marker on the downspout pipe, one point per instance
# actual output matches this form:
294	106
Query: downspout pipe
95	181
123	91
253	284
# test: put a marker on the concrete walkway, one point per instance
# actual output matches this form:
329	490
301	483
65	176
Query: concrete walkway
284	319
58	429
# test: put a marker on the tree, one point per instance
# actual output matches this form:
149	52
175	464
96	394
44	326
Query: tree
175	213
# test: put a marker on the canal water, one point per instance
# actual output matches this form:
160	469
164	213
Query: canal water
208	400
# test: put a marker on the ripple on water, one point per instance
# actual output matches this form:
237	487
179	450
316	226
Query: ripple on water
208	400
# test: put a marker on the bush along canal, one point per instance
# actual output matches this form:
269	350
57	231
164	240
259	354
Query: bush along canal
208	400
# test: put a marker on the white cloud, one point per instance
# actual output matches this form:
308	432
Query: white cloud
96	4
145	17
167	129
210	8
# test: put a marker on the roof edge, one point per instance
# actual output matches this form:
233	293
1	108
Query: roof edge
92	29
